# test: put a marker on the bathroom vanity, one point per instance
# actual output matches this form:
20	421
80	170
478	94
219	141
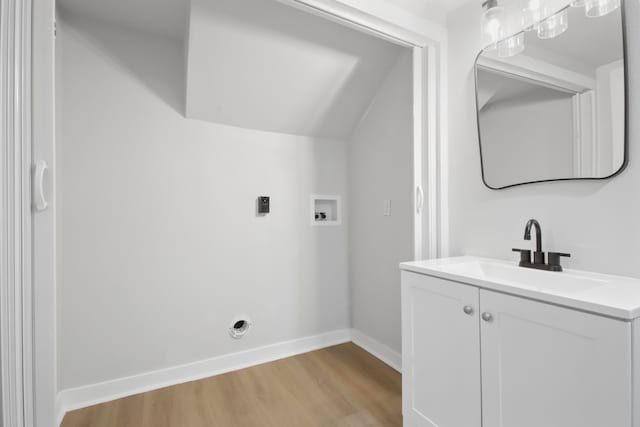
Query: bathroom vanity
487	343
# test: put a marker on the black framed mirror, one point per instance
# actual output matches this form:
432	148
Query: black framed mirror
558	109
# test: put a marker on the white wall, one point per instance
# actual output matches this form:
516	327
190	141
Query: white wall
597	221
158	244
380	159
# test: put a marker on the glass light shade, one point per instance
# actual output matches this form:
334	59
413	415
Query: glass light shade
511	46
597	8
526	23
554	25
492	25
534	13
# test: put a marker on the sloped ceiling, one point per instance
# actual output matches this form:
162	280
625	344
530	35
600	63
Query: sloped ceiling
260	64
263	65
160	17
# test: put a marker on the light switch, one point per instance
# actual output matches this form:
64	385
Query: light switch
387	208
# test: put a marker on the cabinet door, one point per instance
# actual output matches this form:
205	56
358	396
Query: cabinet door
544	365
440	353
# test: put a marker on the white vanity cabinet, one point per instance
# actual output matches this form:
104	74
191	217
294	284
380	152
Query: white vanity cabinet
440	353
544	365
477	357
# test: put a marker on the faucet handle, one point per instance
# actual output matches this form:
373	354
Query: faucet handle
525	255
554	260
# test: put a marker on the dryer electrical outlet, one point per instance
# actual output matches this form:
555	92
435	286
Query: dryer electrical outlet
263	204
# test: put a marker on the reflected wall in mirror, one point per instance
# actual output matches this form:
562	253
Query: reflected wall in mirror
557	110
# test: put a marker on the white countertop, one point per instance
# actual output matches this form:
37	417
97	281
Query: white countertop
607	295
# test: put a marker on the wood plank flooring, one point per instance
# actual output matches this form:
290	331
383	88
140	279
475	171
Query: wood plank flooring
341	386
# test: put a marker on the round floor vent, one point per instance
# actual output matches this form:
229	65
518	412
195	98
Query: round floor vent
239	328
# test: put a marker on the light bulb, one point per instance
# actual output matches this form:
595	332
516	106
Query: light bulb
597	8
493	28
535	8
554	25
532	15
511	46
492	22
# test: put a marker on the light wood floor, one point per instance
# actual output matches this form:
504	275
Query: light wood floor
337	386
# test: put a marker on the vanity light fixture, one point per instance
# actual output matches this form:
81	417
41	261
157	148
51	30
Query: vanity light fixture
536	12
492	22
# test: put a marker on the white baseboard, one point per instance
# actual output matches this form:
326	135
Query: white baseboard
379	350
60	410
94	394
81	397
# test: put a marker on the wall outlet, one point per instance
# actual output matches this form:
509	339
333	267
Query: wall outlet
264	203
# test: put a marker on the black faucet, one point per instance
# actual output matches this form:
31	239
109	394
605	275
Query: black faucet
538	255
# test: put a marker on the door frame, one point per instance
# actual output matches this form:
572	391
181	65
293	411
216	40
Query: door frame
27	63
16	298
428	41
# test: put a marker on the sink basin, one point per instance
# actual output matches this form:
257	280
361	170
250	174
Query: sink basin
523	277
608	295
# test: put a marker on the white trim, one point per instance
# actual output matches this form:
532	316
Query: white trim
593	114
43	223
15	214
377	349
419	117
441	215
93	394
432	142
540	72
430	41
585	123
421	34
635	369
606	114
577	136
60	410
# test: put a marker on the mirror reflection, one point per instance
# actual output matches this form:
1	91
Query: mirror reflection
555	110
